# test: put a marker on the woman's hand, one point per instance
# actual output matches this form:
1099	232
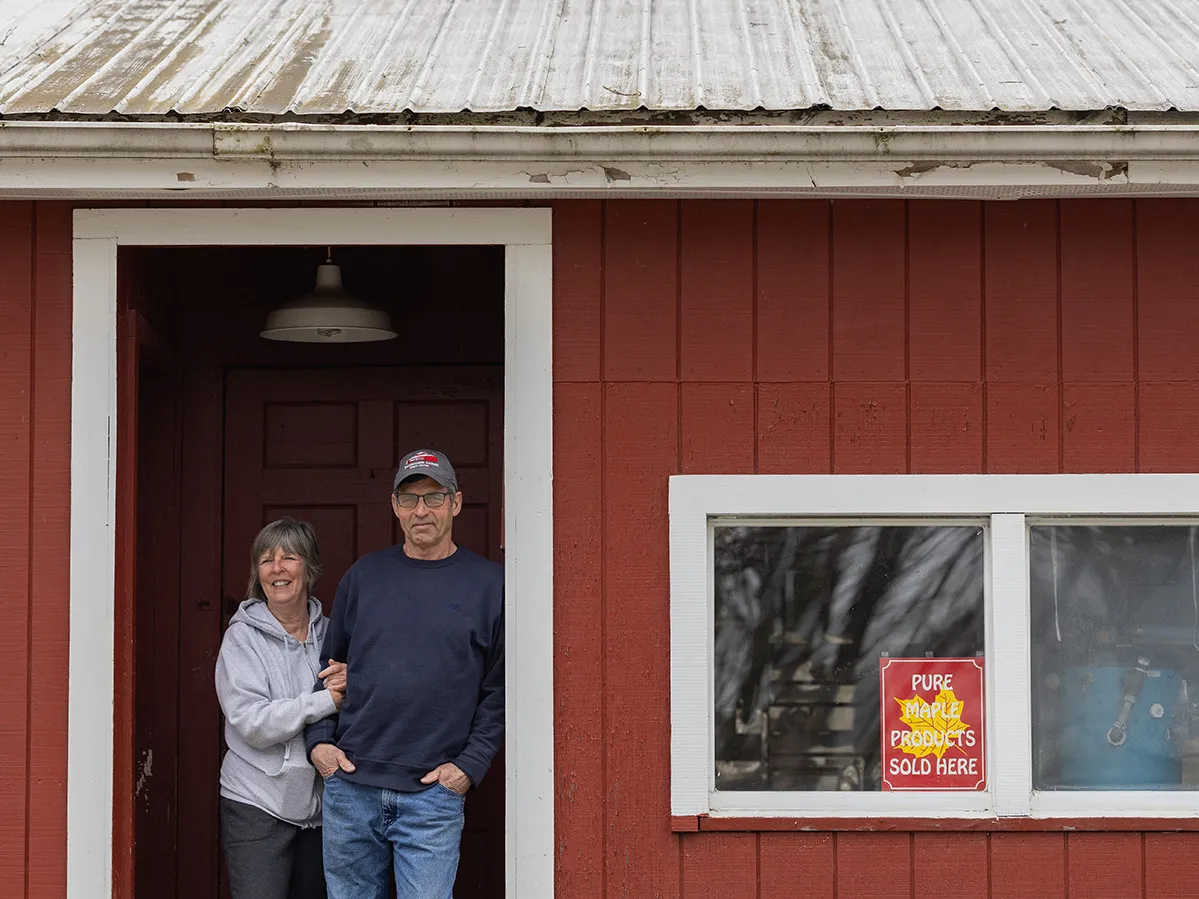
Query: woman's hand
334	677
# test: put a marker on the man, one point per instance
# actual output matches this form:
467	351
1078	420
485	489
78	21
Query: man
420	627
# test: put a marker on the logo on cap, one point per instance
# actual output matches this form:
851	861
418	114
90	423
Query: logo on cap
421	460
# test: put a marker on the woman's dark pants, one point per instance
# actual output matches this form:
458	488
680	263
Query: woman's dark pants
268	858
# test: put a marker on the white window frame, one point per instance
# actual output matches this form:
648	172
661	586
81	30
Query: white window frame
1006	505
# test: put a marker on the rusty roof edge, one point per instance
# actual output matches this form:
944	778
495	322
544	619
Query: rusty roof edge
607	144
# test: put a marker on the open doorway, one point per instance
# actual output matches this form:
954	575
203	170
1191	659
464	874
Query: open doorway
233	431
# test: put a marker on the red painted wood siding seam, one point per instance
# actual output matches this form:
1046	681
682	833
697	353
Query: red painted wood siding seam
1134	252
832	370
1061	393
753	346
29	571
1144	873
603	299
907	335
982	332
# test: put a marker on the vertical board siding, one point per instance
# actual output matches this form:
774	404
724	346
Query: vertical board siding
791	268
1099	428
50	530
714	865
797	866
870	428
578	259
793	428
1022	428
640	299
814	336
1105	865
716	275
1167	270
945	427
945	290
640	452
859	336
578	636
35	429
1165	878
869	294
1166	426
16	368
1020	281
1027	865
718	429
1098	268
956	861
875	865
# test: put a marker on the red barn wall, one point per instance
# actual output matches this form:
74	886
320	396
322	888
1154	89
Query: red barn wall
710	336
35	485
847	337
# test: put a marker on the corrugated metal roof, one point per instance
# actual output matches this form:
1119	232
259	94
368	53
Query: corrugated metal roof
330	57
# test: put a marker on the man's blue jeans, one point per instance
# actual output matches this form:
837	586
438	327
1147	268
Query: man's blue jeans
369	829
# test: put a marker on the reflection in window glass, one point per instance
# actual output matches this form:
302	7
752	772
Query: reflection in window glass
1115	657
803	616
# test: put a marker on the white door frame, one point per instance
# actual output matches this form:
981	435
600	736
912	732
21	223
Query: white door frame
528	462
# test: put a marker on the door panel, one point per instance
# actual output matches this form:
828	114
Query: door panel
323	445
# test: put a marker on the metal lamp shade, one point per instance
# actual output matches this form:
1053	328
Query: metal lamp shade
328	315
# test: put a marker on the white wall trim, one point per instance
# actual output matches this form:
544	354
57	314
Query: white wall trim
92	568
528	411
278	227
529	587
1006	503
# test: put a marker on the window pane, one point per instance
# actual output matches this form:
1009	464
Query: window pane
1115	657
803	617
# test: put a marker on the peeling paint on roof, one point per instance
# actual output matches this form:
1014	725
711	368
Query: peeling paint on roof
331	57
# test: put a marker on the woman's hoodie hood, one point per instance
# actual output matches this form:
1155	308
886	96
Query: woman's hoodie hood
266	681
257	614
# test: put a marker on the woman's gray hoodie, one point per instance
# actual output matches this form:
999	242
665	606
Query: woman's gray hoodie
264	680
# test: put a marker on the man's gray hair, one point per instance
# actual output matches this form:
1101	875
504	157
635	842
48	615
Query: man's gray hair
292	536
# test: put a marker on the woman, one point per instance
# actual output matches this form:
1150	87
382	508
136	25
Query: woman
265	673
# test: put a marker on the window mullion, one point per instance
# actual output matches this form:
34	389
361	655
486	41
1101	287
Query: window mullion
1010	727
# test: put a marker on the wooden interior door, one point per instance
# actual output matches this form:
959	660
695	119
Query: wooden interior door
323	445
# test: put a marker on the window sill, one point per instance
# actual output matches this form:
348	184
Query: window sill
707	823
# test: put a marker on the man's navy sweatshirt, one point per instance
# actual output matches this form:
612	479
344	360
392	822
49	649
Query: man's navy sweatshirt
424	645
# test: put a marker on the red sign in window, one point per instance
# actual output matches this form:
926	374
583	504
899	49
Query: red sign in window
933	720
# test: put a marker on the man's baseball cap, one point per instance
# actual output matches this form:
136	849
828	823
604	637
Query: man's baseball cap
426	463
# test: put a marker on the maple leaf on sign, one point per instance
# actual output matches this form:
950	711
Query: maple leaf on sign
936	726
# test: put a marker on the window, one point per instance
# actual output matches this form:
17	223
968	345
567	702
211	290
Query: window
934	645
1115	657
804	616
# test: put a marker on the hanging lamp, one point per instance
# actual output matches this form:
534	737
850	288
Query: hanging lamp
329	314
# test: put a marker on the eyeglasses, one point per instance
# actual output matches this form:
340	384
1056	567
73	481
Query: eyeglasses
432	500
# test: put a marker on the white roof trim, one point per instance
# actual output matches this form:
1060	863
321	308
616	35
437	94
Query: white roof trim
381	162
